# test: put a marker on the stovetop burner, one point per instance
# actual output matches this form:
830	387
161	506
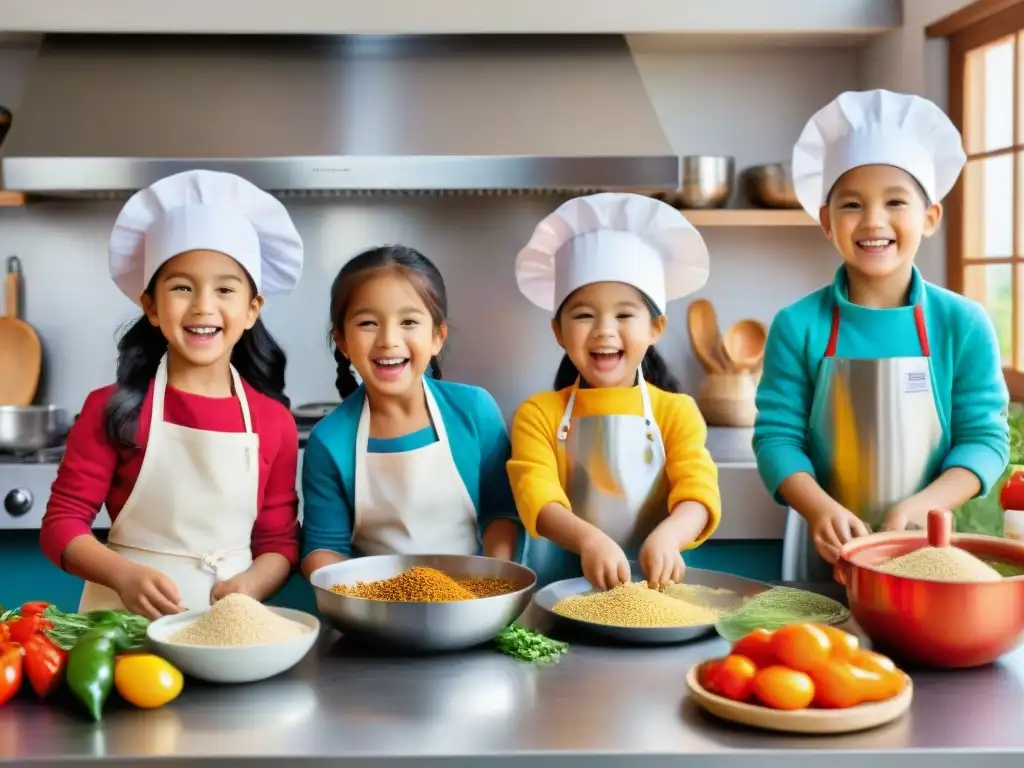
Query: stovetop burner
45	456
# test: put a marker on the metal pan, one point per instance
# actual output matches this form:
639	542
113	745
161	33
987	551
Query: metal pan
29	428
546	598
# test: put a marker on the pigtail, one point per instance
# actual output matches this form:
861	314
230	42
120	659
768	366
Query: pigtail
434	369
259	360
345	382
656	372
566	375
139	351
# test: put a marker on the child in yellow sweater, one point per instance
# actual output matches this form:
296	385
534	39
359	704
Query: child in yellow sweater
612	465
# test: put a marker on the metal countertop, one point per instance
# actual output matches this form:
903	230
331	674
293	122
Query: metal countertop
601	706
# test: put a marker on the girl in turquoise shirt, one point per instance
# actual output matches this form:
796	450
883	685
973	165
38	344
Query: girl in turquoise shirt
407	464
872	167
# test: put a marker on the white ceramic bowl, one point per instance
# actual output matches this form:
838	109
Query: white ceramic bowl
237	664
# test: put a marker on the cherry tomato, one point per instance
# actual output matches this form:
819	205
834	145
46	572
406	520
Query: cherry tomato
872	662
731	677
757	646
801	646
783	688
839	684
843	643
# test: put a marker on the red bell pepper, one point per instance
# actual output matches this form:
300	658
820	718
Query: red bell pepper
44	664
10	671
1012	495
34	608
22	629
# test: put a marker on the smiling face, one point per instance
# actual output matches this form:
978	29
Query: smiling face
202	301
876	216
606	329
389	334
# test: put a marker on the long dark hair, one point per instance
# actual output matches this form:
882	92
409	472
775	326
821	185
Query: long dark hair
654	367
421	273
257	357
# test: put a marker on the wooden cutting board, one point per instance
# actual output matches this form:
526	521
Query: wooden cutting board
21	355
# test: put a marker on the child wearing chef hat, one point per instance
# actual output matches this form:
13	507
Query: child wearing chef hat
193	450
612	464
882	395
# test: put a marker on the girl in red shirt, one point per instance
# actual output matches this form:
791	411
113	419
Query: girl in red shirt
193	450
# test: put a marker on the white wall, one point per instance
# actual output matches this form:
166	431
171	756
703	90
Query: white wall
747	103
905	61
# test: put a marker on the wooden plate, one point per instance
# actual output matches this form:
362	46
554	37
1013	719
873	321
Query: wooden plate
816	721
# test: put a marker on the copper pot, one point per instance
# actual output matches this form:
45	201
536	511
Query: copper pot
934	623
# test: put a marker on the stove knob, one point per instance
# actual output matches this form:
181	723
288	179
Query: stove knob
18	502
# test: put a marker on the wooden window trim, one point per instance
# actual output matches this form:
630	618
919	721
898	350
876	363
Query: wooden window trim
974	26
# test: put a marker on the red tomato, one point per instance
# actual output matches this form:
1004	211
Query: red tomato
1012	495
731	677
34	608
757	646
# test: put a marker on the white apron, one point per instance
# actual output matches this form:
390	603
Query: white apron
414	502
191	512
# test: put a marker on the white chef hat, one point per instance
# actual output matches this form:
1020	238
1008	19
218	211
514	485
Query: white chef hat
205	210
876	128
612	237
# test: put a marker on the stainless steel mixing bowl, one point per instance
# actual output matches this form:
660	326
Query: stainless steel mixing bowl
705	181
422	626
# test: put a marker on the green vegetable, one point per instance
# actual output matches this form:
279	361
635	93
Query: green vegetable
69	627
90	671
984	515
778	607
525	644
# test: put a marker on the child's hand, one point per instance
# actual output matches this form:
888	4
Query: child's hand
909	513
147	592
604	563
832	528
661	561
236	585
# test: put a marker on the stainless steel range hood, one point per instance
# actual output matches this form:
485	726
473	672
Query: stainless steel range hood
107	115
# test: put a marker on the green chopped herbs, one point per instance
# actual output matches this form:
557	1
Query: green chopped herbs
524	644
778	607
69	627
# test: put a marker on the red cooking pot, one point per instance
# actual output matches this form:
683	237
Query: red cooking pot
934	623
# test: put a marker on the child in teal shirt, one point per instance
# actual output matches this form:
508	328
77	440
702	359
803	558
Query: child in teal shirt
882	395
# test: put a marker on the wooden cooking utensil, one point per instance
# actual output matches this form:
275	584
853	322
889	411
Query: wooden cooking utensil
21	355
743	345
705	338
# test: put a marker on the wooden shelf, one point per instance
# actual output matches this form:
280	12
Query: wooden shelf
9	199
749	217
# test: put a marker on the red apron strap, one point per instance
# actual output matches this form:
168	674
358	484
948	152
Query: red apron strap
922	330
833	336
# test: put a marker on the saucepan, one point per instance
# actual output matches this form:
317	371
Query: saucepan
29	428
935	623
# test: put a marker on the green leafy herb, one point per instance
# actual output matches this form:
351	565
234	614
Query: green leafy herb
778	607
69	627
525	644
984	515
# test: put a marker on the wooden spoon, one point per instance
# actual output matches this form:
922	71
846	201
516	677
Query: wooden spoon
744	344
705	338
21	356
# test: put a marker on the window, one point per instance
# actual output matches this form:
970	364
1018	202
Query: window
985	212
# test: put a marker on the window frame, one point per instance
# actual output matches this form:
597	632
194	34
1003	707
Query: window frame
966	30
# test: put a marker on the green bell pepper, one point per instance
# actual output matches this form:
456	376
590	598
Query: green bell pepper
90	671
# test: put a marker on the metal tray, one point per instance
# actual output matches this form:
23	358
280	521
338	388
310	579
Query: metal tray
546	598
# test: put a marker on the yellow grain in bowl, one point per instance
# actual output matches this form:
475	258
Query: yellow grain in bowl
940	564
634	605
238	620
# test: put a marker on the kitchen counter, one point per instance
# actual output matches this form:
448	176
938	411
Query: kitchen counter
600	707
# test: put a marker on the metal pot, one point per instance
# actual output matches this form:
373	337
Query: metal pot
936	623
706	181
29	428
770	186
